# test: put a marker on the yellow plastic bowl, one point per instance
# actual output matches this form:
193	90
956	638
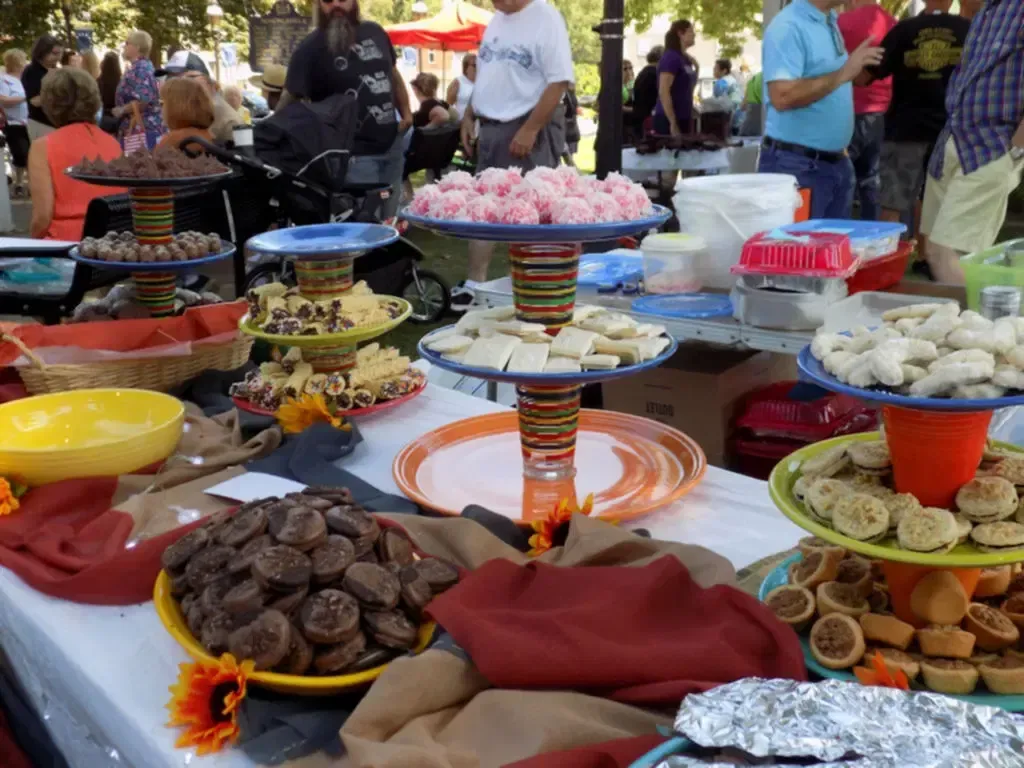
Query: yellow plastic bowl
170	614
87	433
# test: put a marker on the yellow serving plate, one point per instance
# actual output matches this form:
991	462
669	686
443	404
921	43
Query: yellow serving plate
170	614
350	337
780	487
87	433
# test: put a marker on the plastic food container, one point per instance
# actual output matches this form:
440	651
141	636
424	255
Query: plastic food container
784	310
673	262
1002	264
879	274
807	254
868	239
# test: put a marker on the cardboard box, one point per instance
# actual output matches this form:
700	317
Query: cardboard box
697	391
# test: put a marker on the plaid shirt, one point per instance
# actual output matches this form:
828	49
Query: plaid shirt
985	100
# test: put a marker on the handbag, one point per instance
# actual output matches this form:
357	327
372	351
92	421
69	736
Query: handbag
135	137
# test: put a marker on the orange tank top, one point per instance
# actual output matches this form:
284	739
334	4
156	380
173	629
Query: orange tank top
66	147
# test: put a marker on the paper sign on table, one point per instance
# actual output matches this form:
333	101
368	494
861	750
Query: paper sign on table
254	485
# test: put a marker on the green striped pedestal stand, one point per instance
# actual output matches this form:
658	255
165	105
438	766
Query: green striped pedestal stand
153	221
321	280
544	291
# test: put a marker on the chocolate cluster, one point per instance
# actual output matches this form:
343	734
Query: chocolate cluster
163	163
309	584
123	246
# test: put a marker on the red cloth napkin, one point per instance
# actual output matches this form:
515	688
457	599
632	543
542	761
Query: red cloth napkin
65	541
610	754
647	636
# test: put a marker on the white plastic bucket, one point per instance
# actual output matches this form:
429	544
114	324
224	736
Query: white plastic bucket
673	262
726	211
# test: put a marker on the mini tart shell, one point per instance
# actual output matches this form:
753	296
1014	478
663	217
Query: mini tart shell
856	572
959	681
939	598
827	568
887	630
810	544
800	621
894	659
993	628
1004	676
834	597
856	651
993	582
1013	607
946	642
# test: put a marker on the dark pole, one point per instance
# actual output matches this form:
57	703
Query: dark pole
609	103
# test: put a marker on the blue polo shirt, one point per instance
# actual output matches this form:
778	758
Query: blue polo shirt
803	42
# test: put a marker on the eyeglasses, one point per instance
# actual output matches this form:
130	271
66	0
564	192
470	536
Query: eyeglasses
332	2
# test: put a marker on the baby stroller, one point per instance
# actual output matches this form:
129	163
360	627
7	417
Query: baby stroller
295	174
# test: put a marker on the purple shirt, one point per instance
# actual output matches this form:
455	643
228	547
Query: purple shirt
139	84
685	70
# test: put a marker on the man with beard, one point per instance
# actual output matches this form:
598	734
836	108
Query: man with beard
346	53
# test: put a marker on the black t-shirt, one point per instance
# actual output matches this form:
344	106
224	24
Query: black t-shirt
32	82
421	117
645	93
920	54
314	74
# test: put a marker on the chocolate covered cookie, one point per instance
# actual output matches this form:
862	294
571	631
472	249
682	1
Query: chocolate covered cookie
336	659
242	562
194	619
300	655
393	546
281	568
374	586
267	640
290	602
215	633
437	573
244	597
331	559
416	592
300	527
328	617
391	629
212	597
334	493
207	565
313	502
351	520
177	555
248	523
373	656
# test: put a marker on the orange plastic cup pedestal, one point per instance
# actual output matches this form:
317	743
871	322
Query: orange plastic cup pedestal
934	452
903	577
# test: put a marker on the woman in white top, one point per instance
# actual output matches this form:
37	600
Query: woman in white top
462	87
15	109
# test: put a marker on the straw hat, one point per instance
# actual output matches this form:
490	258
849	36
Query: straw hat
272	79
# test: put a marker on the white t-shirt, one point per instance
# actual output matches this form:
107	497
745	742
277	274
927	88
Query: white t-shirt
11	87
462	97
521	55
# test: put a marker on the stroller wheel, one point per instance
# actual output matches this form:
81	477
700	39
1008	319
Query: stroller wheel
428	294
271	272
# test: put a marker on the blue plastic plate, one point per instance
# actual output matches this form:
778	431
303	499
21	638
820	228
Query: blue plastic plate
584	377
540	233
813	369
611	269
778	577
323	240
151	266
688	306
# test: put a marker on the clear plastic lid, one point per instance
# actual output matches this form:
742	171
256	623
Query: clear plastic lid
688	306
610	268
675	242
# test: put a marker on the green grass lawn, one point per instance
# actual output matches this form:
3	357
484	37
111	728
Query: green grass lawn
447	257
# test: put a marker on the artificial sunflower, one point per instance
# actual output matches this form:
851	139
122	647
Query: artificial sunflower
297	414
546	529
205	702
879	675
8	498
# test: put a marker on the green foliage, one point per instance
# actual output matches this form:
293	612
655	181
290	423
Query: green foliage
727	21
588	79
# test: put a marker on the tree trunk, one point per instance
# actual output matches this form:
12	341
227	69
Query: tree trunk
609	131
69	32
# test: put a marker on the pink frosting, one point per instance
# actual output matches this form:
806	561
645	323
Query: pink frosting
615	181
573	210
518	212
456	180
605	206
498	181
450	206
484	208
423	199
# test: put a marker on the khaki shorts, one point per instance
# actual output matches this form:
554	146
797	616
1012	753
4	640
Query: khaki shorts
966	211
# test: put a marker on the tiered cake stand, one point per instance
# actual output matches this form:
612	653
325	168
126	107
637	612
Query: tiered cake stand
632	465
323	255
152	202
936	446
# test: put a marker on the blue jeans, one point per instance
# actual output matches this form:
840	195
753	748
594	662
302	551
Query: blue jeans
382	169
831	184
866	156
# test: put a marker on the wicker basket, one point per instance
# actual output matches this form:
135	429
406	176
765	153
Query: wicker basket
158	373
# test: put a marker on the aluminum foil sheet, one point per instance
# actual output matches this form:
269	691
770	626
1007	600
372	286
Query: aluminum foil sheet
846	725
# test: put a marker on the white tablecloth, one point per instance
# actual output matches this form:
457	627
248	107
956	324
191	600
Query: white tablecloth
101	674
